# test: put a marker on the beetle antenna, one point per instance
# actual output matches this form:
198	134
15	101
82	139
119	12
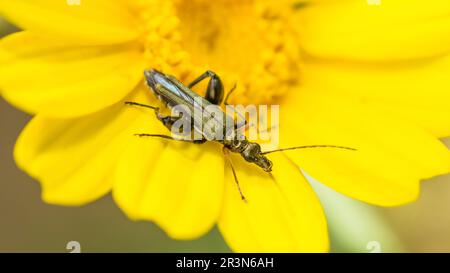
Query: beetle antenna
225	151
308	147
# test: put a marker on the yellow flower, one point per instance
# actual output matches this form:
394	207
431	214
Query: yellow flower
373	77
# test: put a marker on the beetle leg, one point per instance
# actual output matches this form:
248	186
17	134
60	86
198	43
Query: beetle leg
226	153
141	105
239	125
229	93
214	92
168	121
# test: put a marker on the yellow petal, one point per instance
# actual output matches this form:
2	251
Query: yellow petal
44	75
177	185
393	154
417	91
91	22
282	213
73	158
396	29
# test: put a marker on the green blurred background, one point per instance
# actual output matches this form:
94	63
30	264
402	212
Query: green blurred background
29	225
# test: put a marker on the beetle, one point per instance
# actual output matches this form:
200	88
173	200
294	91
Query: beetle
172	92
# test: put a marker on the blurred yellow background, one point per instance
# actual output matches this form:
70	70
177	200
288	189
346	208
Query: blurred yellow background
29	225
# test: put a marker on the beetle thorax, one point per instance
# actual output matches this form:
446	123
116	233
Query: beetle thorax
236	145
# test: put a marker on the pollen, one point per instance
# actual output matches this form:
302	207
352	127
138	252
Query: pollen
253	44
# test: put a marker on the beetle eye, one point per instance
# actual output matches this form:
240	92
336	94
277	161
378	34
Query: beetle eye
256	149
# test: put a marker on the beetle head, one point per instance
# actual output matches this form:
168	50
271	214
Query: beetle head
252	153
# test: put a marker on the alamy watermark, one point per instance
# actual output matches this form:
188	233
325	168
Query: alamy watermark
74	247
374	247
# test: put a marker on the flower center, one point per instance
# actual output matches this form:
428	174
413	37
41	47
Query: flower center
249	43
